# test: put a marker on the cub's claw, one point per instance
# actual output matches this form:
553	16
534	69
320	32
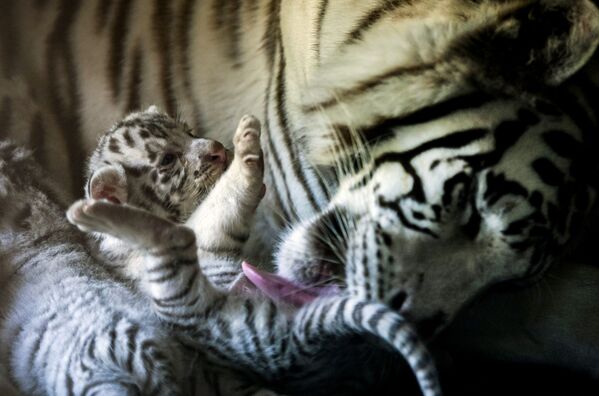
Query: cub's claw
247	143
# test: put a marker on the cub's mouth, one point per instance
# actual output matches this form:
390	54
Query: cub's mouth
281	289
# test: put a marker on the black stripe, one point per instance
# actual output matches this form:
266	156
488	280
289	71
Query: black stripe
376	317
69	381
270	42
250	323
221	274
114	146
455	139
227	17
170	274
370	19
396	207
288	210
9	41
112	343
339	315
563	144
175	263
322	9
131	334
299	345
271	323
175	318
548	172
181	294
366	283
91	387
427	114
271	33
277	208
220	250
460	179
498	186
367	85
61	67
166	204
102	11
130	142
162	33
238	237
452	140
395	328
281	99
185	27
135	80
252	7
118	38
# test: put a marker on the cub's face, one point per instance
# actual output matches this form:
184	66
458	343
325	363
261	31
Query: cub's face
155	162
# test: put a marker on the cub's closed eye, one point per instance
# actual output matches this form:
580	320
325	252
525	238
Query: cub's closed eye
168	159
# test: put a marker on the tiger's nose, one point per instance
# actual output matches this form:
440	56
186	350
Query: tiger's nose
216	153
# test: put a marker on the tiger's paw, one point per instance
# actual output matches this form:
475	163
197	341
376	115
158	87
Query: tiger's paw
247	145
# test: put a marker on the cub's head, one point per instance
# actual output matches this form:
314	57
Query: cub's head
153	161
455	171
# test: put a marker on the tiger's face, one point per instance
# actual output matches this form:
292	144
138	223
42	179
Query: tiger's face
424	224
453	174
153	161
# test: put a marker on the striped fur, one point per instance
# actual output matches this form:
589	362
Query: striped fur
67	327
153	161
70	327
254	335
329	75
240	333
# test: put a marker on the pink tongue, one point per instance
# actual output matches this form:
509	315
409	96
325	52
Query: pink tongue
281	289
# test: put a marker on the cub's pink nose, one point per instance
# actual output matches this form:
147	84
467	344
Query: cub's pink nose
216	153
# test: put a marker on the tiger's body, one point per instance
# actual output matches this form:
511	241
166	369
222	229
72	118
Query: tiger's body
444	120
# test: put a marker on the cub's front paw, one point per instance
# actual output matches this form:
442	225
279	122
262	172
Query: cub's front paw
247	144
81	214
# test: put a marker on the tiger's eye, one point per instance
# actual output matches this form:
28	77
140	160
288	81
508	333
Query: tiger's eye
167	159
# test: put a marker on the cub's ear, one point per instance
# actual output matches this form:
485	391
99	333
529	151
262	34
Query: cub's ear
108	182
538	42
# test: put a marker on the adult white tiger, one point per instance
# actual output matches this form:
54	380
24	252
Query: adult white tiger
429	84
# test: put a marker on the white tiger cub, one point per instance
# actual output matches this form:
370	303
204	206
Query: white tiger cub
152	161
67	326
241	333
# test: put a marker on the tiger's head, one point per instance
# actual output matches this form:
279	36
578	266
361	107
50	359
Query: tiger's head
153	161
455	168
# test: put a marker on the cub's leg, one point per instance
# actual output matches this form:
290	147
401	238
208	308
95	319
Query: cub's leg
168	251
222	222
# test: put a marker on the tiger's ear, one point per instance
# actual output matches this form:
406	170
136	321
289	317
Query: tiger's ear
110	183
540	43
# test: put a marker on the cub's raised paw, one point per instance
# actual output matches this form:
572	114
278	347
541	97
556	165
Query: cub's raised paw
81	215
247	143
130	224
